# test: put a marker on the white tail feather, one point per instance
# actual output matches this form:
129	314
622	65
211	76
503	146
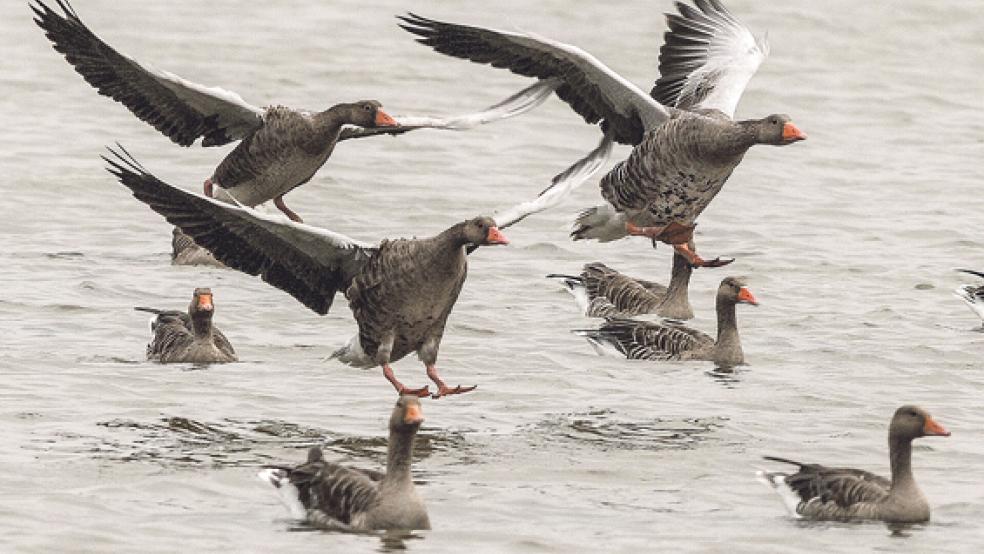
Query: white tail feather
601	223
279	479
777	482
353	354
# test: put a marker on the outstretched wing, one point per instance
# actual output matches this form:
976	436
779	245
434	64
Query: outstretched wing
180	109
707	58
561	186
590	87
517	104
309	263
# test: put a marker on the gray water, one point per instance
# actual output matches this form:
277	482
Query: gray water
848	241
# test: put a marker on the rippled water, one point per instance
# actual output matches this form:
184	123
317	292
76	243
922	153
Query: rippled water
848	240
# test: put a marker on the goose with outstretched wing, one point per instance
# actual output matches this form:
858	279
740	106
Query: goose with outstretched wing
401	292
686	142
280	148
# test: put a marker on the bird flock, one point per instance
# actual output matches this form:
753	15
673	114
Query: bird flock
685	143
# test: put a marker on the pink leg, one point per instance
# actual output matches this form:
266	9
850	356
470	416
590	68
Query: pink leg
400	388
208	188
279	203
442	389
696	261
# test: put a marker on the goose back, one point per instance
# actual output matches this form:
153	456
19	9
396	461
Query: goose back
174	340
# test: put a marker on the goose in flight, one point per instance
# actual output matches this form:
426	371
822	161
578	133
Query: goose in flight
685	140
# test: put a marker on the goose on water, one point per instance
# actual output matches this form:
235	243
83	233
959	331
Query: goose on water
972	295
685	141
332	496
280	148
837	493
601	291
188	337
671	340
400	291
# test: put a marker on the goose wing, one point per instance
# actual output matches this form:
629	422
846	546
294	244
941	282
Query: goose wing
178	108
590	87
517	104
309	263
560	187
643	340
832	492
707	58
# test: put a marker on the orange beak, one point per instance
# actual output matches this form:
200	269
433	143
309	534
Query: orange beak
413	415
791	133
384	120
495	236
746	296
205	301
933	428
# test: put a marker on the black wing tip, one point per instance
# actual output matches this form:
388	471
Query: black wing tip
971	272
783	460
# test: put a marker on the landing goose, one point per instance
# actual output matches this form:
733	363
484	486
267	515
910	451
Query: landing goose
280	148
686	142
332	496
601	291
670	340
834	493
972	295
400	291
188	337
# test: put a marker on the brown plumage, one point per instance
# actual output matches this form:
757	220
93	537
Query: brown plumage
333	496
188	337
835	493
601	291
400	292
669	340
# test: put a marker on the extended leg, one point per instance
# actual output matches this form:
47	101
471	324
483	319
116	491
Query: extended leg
400	387
673	233
696	261
279	203
443	389
208	188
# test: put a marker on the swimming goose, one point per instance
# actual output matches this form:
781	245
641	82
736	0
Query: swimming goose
686	142
670	340
835	493
336	497
972	295
188	337
600	291
280	148
400	291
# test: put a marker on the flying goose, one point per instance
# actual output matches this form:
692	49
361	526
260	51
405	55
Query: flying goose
835	493
400	291
280	148
332	496
671	340
188	337
686	142
601	291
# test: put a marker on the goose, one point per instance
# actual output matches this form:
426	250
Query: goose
671	340
332	496
972	295
188	337
685	141
601	291
280	148
400	291
835	493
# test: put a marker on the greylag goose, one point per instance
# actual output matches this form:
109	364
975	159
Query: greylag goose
400	291
333	496
972	295
686	142
184	251
280	148
601	291
836	493
670	340
188	337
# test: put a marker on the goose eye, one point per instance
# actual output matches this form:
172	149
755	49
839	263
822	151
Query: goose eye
367	107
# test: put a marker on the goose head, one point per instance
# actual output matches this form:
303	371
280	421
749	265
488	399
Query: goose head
482	231
776	129
407	415
365	113
911	422
733	290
